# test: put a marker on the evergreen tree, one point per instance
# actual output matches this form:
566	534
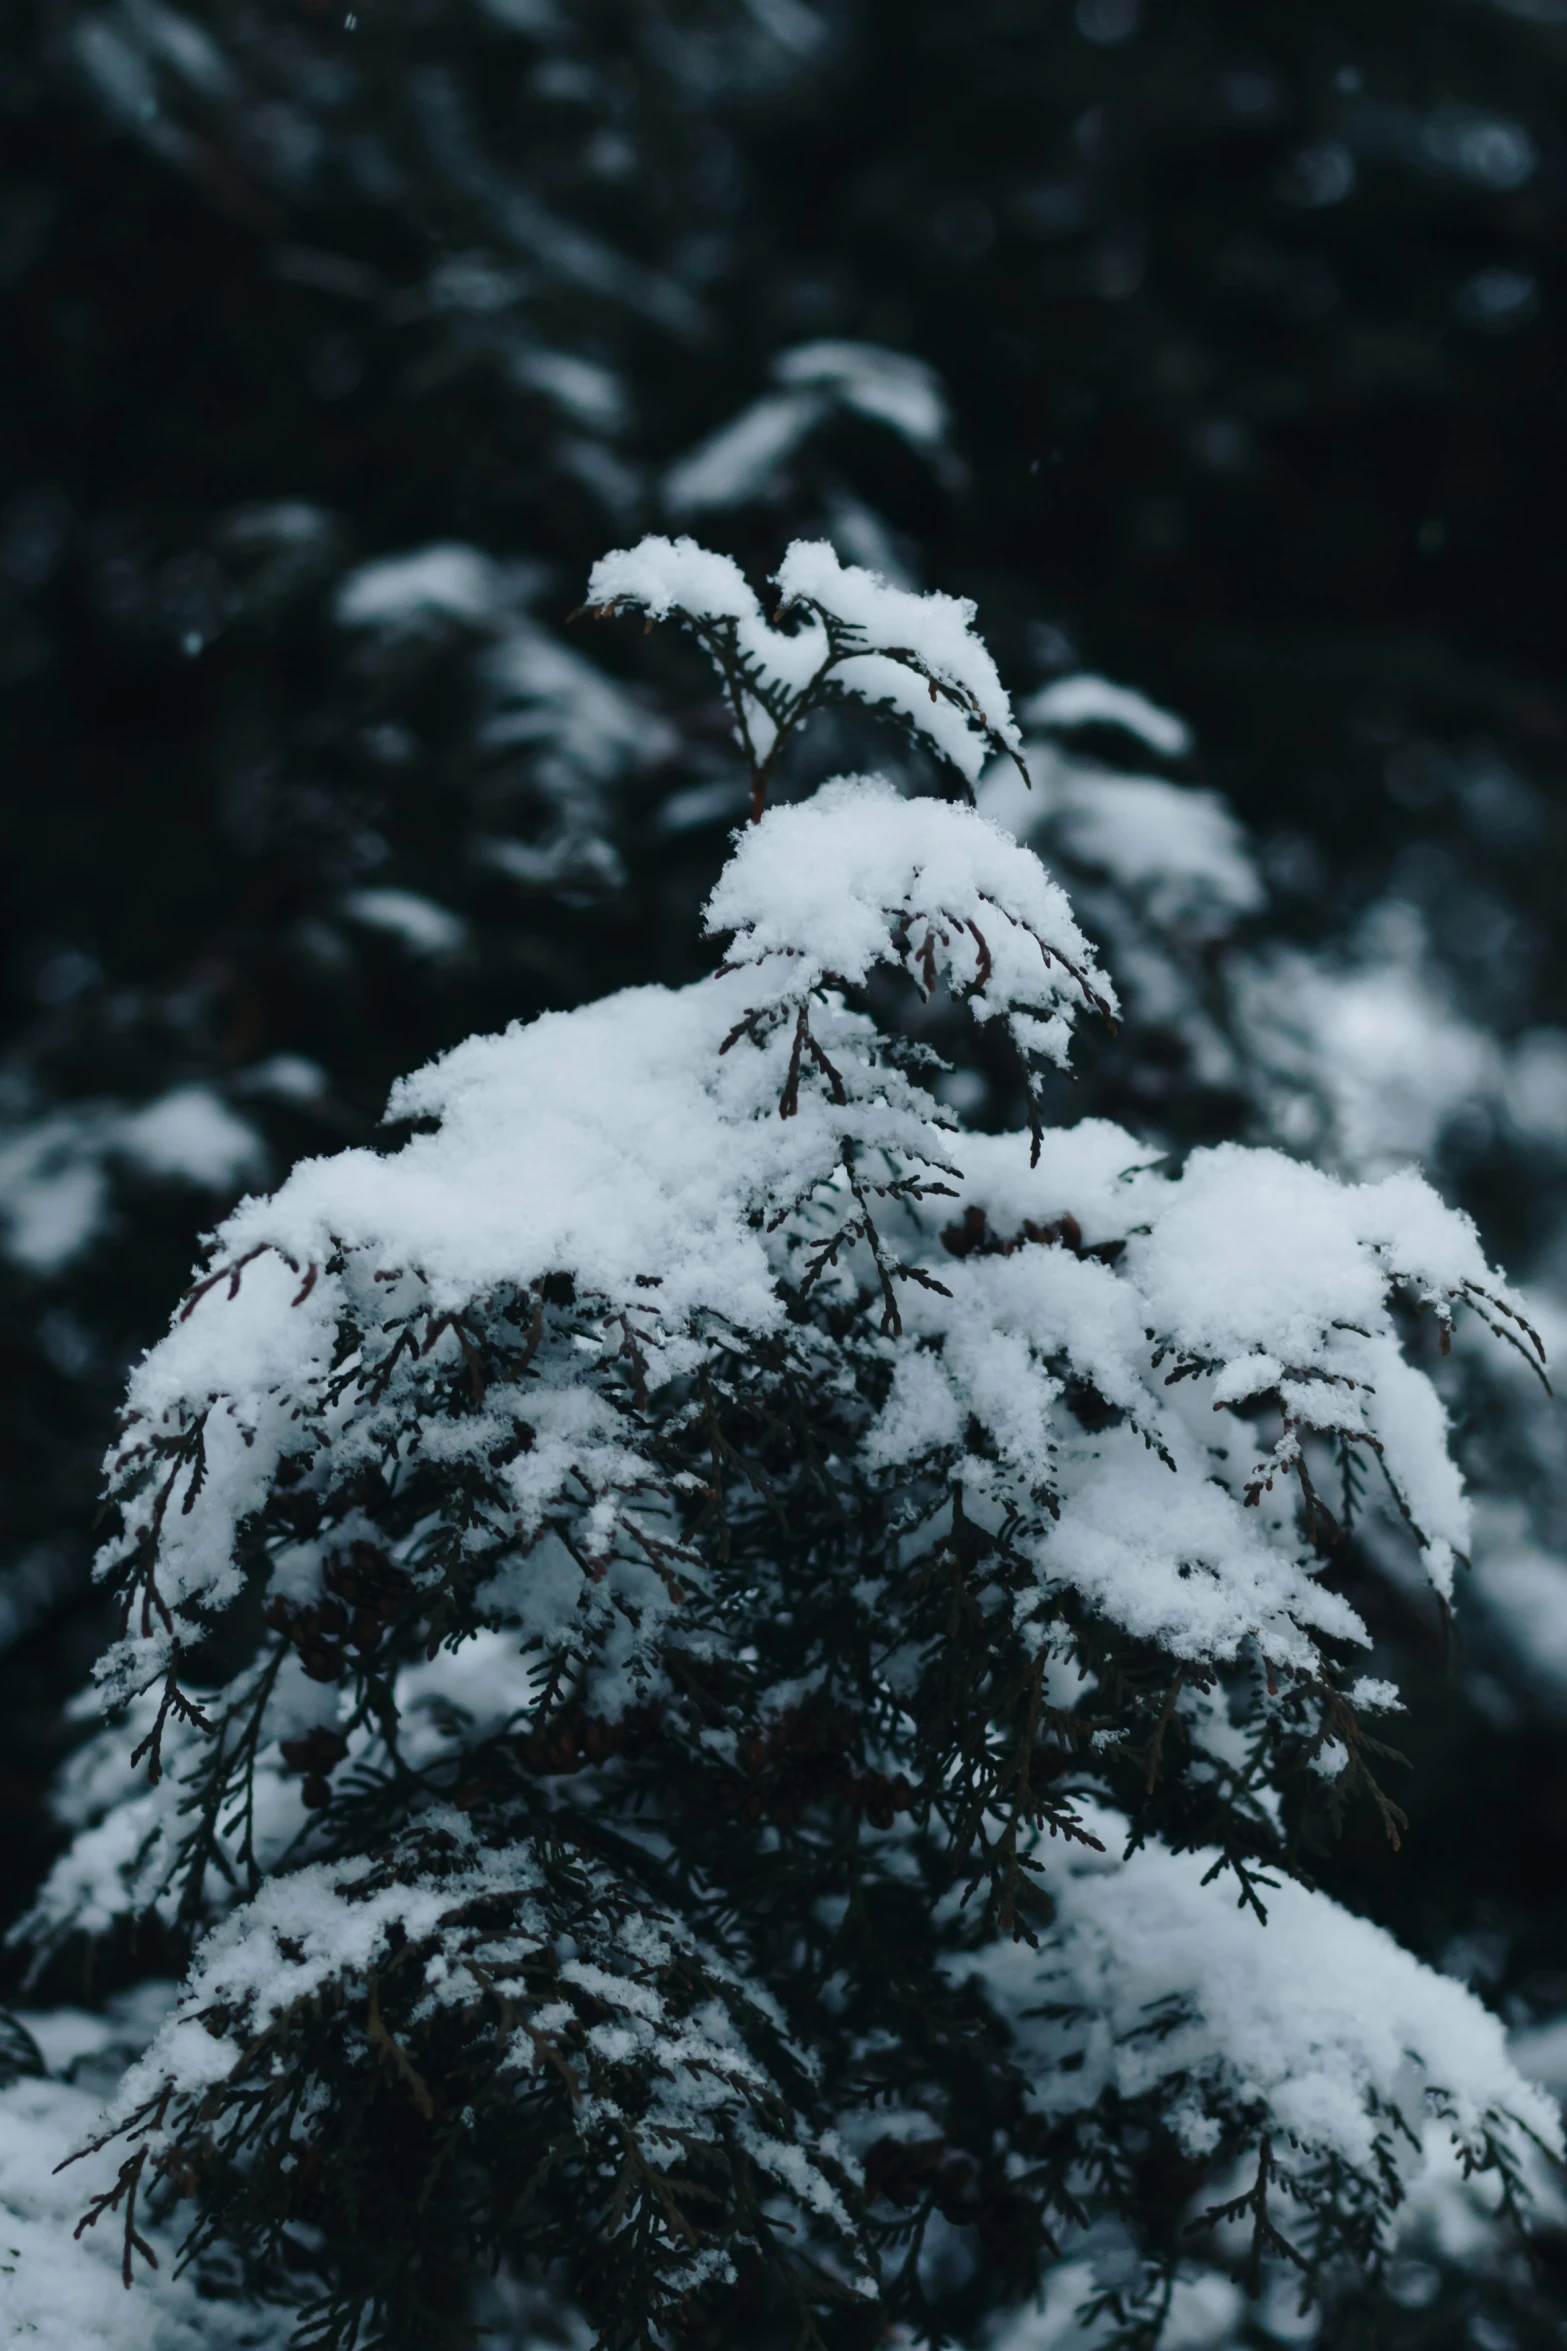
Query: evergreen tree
735	1749
1249	319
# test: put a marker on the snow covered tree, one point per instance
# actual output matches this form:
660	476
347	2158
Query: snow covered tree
722	1676
304	783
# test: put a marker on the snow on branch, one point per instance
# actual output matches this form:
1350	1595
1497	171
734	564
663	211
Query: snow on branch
1315	2030
823	891
854	637
602	2037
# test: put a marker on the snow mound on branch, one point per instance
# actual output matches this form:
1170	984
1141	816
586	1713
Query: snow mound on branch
745	457
1301	1252
593	1143
858	635
1368	1061
1168	842
614	1142
1095	1171
888	385
1247	1242
1314	2026
422	926
1180	1562
1312	1259
938	630
662	576
837	884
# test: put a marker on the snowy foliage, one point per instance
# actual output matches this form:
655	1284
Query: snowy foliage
857	637
1143	1940
728	1669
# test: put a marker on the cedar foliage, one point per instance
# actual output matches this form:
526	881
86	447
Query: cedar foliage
1352	609
682	1624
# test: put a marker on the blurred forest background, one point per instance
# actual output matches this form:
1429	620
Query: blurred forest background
1215	346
